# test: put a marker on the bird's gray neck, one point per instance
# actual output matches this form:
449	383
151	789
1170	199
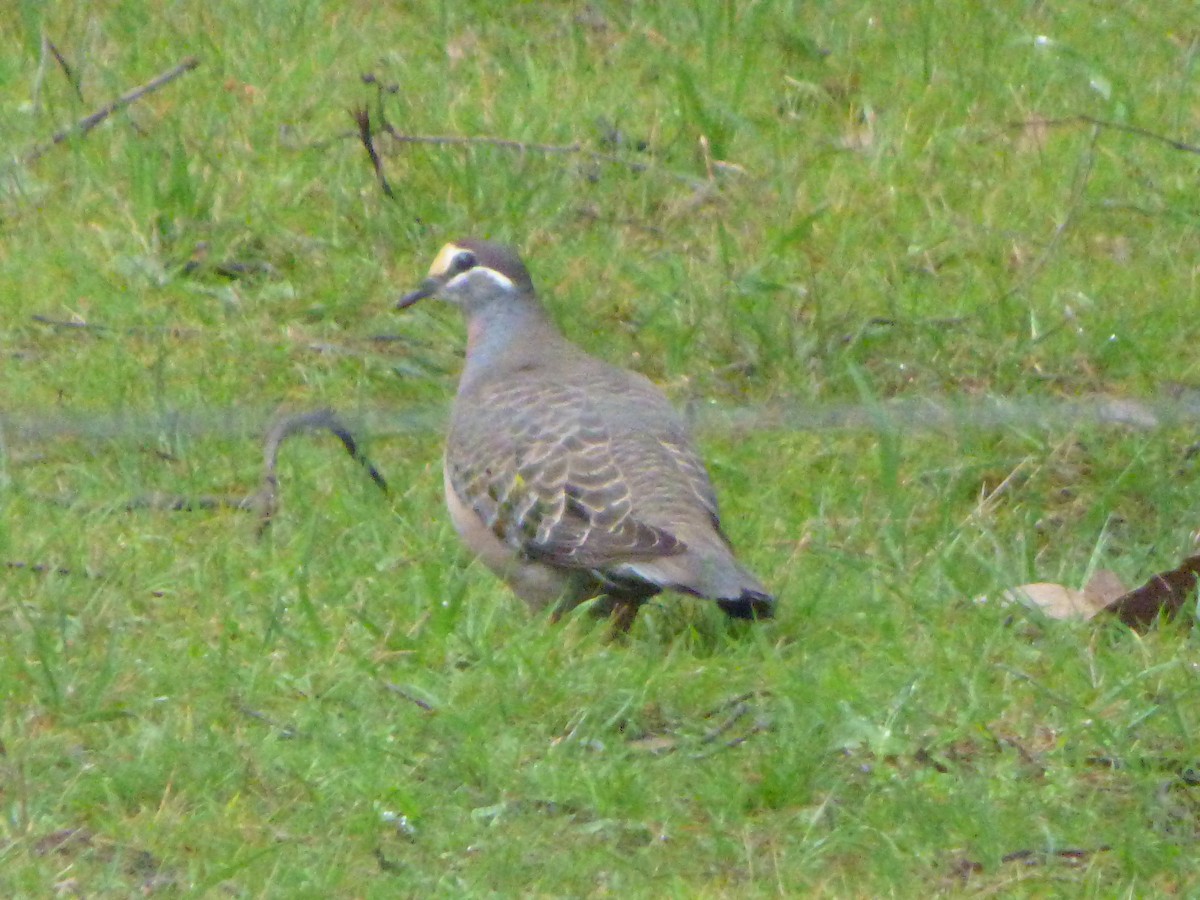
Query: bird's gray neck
505	336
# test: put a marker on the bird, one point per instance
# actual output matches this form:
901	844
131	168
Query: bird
568	477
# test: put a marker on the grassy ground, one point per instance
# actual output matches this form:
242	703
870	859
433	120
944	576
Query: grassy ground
816	206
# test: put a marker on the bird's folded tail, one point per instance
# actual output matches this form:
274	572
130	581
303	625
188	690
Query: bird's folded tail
719	578
750	605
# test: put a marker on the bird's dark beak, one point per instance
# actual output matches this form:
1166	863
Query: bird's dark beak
428	288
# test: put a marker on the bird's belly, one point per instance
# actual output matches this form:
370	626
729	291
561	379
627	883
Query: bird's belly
537	584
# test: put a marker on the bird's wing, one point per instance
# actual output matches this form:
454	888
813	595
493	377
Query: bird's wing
690	468
654	447
538	464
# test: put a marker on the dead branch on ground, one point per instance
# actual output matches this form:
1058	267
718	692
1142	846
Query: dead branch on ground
86	124
367	129
1104	124
265	501
362	117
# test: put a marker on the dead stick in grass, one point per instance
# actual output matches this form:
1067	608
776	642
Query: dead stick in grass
321	419
1083	119
409	696
362	116
38	568
1083	175
86	124
66	67
578	149
97	328
265	501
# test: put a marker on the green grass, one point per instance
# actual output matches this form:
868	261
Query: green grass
191	710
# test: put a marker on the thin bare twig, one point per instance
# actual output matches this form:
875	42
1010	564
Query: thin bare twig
72	77
362	116
181	503
891	322
67	323
1084	119
1083	175
733	702
761	726
39	568
739	711
321	419
528	147
86	124
1070	856
445	140
409	696
98	329
265	501
381	89
286	732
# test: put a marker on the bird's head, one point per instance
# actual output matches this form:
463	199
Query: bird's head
474	274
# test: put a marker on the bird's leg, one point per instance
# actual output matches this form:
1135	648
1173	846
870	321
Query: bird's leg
624	611
603	607
619	608
570	600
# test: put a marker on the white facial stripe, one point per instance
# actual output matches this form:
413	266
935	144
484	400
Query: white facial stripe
501	281
441	263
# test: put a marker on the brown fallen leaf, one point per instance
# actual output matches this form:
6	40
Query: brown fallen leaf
1104	587
1163	595
1057	601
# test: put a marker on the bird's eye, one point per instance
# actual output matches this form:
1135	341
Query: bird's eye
462	262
